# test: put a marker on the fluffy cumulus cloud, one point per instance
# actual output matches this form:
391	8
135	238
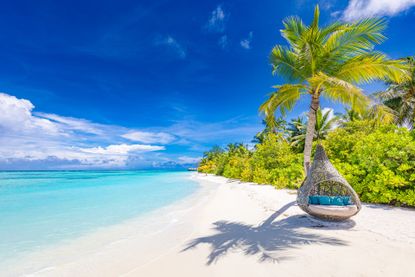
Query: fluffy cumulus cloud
149	137
357	9
36	140
16	116
217	20
28	137
246	43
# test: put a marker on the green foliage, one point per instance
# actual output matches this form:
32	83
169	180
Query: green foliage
330	61
237	161
272	162
333	62
297	129
400	97
377	160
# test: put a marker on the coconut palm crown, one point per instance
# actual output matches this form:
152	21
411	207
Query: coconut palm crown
297	128
400	97
329	62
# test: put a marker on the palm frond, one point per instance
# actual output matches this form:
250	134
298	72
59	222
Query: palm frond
284	62
316	17
341	91
357	37
366	68
283	99
380	113
293	30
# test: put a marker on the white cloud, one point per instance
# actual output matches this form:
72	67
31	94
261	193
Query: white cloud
29	138
73	124
330	111
223	41
16	115
122	149
149	137
217	20
173	44
246	43
357	9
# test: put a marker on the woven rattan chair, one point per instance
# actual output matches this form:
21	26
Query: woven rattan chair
324	180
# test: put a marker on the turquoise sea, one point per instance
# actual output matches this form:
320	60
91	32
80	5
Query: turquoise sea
43	208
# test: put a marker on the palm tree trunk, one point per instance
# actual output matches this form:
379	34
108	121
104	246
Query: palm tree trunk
311	125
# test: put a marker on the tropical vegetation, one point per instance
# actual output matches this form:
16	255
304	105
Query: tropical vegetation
378	160
331	62
372	144
297	128
400	97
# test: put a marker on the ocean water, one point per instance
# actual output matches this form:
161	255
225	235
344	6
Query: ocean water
42	208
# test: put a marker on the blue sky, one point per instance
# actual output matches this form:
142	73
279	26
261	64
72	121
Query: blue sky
139	84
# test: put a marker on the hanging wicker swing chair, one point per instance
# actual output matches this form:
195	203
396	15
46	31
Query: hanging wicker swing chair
325	193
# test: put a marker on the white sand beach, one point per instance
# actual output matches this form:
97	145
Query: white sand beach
229	228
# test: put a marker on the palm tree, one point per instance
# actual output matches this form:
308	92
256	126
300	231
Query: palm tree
350	115
298	128
278	126
400	97
324	124
329	62
375	114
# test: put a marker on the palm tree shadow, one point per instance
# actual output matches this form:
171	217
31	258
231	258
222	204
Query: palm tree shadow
266	240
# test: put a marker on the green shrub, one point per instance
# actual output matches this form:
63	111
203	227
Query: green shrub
274	162
378	161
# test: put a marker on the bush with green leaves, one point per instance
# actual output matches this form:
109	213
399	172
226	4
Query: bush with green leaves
275	162
378	161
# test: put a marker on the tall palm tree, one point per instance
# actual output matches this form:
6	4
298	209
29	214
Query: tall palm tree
329	62
400	97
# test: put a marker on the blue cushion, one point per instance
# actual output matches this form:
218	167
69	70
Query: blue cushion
337	200
324	200
346	200
313	200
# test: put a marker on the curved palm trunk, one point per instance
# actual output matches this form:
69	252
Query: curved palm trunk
311	125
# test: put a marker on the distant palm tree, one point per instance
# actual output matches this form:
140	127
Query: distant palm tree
328	62
324	124
376	114
400	97
350	115
277	126
298	128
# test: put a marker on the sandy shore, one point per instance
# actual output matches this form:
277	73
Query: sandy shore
237	229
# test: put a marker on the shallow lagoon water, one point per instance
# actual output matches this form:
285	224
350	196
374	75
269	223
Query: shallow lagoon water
43	208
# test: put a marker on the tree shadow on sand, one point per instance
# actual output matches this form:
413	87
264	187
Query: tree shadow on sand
268	239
